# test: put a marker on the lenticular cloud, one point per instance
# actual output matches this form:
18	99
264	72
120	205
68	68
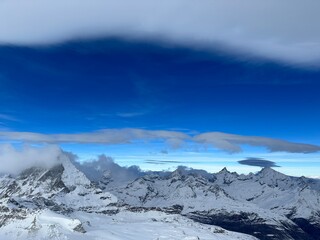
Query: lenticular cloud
283	30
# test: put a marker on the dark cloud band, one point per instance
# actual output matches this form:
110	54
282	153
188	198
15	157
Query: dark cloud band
258	162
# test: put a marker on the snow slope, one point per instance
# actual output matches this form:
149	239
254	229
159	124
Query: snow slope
125	225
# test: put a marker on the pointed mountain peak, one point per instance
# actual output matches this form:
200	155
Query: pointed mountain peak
224	170
268	171
273	178
72	176
225	177
176	174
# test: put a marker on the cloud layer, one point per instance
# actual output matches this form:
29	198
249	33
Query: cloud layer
13	160
106	136
283	30
104	166
231	143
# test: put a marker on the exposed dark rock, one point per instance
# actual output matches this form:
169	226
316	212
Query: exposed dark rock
79	228
243	223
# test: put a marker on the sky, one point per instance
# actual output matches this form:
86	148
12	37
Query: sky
205	85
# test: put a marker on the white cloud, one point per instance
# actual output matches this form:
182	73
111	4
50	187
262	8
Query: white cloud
284	30
103	165
316	177
105	136
231	143
13	160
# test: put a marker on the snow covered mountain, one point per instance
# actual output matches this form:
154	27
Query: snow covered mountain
268	204
60	188
106	201
62	203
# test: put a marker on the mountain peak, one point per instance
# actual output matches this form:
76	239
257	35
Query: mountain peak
71	175
273	178
177	174
269	171
224	170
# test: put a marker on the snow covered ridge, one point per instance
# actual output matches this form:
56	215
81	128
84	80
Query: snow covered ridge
268	205
62	203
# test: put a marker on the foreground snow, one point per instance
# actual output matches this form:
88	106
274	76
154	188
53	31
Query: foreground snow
125	225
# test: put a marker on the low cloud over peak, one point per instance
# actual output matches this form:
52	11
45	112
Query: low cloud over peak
231	143
13	160
283	30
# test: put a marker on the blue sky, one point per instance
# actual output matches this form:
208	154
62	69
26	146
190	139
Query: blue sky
250	80
86	86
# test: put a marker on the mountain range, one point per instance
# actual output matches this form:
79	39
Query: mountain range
106	201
